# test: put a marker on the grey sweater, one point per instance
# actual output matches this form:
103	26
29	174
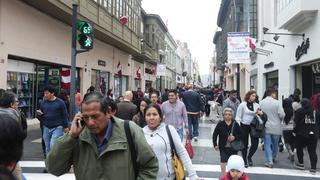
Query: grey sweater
275	114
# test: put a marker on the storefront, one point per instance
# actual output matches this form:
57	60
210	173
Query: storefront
28	80
100	80
120	85
310	78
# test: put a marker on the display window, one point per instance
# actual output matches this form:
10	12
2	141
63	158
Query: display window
100	80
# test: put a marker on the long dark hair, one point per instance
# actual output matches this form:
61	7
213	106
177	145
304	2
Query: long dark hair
288	110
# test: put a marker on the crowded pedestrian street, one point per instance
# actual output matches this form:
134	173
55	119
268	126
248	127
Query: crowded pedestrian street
205	161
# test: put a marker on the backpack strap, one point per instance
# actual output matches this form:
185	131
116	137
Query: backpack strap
172	147
132	147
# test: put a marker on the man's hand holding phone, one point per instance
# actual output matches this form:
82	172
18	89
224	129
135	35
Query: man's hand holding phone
77	125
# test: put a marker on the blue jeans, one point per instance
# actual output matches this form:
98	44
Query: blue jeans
50	135
271	144
193	123
180	132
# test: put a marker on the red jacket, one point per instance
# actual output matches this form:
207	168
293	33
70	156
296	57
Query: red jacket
227	176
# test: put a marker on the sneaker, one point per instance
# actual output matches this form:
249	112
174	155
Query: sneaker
44	171
195	139
246	166
313	171
299	166
274	160
269	165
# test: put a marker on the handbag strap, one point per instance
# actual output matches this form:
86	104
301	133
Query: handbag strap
132	147
172	147
232	127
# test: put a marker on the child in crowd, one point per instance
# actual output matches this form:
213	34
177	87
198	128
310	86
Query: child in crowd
235	168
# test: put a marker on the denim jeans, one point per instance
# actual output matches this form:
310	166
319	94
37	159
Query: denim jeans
50	135
193	124
271	144
180	132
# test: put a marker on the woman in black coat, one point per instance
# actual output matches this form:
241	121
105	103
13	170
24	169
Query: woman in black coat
228	130
306	131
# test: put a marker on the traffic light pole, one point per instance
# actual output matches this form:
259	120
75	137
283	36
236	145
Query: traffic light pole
73	60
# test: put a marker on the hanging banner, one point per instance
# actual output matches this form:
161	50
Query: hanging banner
238	47
161	69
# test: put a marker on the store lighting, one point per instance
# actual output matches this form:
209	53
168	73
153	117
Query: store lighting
276	35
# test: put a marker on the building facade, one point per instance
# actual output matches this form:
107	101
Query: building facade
294	62
234	16
35	47
185	55
170	61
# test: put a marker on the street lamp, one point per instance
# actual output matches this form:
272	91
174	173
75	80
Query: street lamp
263	43
276	35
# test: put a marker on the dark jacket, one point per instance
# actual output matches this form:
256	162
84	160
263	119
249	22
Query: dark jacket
223	131
303	129
126	110
113	163
192	100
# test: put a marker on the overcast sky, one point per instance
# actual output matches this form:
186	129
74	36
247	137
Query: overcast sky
191	21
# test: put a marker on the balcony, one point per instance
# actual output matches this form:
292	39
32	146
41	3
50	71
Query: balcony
298	15
148	52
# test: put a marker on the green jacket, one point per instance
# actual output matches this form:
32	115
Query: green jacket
113	163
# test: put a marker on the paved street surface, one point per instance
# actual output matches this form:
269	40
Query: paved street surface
206	160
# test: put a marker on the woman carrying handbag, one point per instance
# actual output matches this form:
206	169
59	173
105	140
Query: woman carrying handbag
229	134
167	146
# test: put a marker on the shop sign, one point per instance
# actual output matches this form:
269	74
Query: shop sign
101	63
161	69
302	49
269	65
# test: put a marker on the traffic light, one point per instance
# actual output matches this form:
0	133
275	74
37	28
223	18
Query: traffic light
85	38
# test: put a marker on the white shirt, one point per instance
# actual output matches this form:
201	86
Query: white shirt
244	115
160	144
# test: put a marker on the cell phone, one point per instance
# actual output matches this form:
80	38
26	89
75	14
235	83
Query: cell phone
81	123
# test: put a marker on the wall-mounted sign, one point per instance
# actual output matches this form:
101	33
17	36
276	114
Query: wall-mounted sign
269	65
302	49
238	47
101	63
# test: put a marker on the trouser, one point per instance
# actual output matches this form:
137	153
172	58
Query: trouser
50	135
271	145
246	130
180	132
311	144
288	140
42	141
193	124
207	109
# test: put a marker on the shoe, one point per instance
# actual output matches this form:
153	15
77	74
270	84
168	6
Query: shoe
250	163
299	166
291	157
246	166
195	139
281	147
313	171
45	171
269	165
274	160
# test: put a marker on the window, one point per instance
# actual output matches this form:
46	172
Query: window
282	4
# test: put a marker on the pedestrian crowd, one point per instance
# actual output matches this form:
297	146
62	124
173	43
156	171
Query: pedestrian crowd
141	135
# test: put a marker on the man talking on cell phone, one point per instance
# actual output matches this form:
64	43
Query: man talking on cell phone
100	149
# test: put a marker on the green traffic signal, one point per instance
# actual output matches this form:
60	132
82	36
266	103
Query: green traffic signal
85	41
84	27
85	38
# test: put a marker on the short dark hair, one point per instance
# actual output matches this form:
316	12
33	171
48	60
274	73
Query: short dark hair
11	139
233	91
105	102
7	98
51	89
157	107
172	91
249	93
270	91
153	92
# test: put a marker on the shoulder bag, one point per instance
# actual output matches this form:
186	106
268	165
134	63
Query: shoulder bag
132	147
236	145
176	162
